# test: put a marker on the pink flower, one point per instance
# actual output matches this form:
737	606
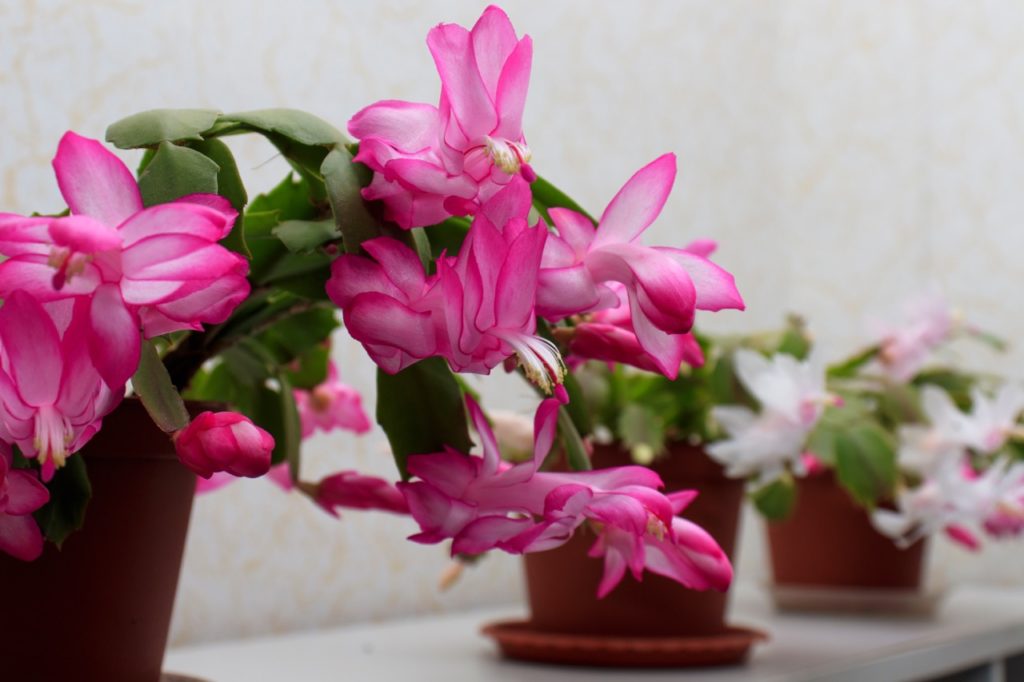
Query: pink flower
21	493
159	268
609	335
431	162
905	349
476	311
352	490
278	475
484	503
52	400
663	286
224	441
331	405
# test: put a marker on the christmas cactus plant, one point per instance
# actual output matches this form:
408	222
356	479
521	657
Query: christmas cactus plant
445	253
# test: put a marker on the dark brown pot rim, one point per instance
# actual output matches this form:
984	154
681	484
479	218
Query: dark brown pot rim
119	434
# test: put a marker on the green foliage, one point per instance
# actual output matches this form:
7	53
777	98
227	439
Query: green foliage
175	172
421	411
150	128
546	195
70	492
865	461
159	396
776	500
306	236
293	124
642	432
230	186
344	181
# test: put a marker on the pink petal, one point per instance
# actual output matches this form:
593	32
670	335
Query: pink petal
114	343
214	482
20	235
425	176
407	126
461	81
178	217
20	537
512	202
94	182
511	99
378	319
638	203
32	346
177	257
203	301
575	228
84	234
25	493
487	533
517	283
715	288
488	443
494	39
566	291
400	263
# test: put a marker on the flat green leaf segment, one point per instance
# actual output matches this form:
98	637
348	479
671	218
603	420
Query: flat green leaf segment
153	385
150	128
776	500
421	410
176	172
70	492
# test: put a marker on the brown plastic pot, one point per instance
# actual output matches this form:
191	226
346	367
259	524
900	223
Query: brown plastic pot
99	609
829	542
562	583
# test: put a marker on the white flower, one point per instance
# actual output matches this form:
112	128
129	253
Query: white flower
924	448
792	397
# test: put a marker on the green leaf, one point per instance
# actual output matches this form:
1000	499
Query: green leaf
153	385
422	411
296	125
569	437
546	195
291	432
795	340
775	500
866	463
448	236
175	172
70	492
305	236
850	367
310	370
150	128
351	216
229	186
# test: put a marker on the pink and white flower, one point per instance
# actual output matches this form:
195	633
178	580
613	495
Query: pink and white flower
352	490
432	162
905	349
792	397
476	311
483	503
21	493
158	269
663	286
52	399
331	405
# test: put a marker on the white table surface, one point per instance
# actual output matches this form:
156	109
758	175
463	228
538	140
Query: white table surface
974	626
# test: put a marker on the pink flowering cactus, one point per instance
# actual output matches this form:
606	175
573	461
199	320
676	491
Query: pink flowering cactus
431	162
483	503
157	269
21	493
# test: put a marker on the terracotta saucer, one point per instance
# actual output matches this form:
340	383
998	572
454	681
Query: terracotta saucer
518	640
175	677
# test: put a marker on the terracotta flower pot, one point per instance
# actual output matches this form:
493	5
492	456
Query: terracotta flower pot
829	542
562	583
99	609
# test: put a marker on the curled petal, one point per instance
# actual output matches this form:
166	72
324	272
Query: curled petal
94	182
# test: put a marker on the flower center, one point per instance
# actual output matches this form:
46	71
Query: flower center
53	435
539	358
509	156
67	263
320	399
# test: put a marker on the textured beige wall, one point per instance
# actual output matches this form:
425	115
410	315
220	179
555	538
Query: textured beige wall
844	153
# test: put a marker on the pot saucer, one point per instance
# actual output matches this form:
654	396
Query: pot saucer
519	640
176	677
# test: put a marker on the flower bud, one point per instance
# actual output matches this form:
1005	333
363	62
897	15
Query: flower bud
224	441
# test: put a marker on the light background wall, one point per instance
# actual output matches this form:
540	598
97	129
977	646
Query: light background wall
845	154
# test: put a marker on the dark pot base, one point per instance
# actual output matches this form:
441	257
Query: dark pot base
520	640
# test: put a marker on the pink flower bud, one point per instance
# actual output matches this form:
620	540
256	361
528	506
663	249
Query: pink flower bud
224	441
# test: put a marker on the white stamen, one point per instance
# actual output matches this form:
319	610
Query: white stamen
507	155
53	435
539	359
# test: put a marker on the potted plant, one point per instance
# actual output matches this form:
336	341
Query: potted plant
642	416
445	252
855	465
